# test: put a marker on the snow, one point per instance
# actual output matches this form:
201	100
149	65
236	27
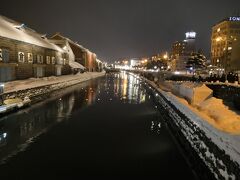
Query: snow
220	116
13	30
18	85
224	133
76	65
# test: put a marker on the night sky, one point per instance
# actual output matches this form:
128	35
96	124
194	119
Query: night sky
116	29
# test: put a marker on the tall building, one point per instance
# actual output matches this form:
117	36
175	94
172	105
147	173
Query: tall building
181	50
224	44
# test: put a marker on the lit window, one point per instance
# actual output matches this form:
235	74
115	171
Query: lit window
64	61
48	60
219	29
21	57
30	58
1	58
229	48
53	60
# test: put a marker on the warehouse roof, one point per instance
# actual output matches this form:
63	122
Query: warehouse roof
20	32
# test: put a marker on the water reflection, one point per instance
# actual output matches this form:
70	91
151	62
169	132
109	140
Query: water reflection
126	87
156	126
18	130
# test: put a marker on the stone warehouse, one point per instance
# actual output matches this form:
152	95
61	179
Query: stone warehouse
82	55
24	53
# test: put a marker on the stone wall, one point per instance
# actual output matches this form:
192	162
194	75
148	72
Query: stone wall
24	70
201	151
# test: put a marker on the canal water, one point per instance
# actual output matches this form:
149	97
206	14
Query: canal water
104	127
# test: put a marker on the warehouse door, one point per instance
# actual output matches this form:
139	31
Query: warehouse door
6	74
39	72
5	56
58	71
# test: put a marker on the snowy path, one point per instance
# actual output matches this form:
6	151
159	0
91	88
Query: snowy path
38	82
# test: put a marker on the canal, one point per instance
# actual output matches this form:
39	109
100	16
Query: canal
104	127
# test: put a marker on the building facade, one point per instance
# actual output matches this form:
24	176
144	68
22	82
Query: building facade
24	53
225	44
81	55
182	50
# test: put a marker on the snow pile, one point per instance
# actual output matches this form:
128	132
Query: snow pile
194	93
220	115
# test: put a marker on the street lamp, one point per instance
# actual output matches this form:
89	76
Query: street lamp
165	56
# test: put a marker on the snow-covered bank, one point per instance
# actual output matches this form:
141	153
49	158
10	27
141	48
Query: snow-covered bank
205	105
35	87
218	149
39	82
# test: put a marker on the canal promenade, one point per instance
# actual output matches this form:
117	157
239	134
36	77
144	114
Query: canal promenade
21	93
19	85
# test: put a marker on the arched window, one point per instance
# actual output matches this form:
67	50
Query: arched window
21	57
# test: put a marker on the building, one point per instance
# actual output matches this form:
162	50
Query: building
178	48
182	50
24	53
235	56
224	48
82	55
65	44
135	63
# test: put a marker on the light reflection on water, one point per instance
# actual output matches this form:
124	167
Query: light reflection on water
18	130
24	126
128	88
108	125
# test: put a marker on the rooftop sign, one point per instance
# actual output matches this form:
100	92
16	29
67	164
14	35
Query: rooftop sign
234	18
190	35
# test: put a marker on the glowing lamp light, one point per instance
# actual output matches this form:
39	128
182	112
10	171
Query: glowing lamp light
165	56
218	39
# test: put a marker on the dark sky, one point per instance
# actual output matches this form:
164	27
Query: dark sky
116	29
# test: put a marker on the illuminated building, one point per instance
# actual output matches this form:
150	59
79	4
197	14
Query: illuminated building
225	44
181	50
82	55
24	53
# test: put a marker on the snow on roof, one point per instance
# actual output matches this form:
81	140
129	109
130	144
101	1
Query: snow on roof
71	41
76	65
18	31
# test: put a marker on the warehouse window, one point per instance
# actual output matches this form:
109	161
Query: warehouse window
39	59
21	57
1	58
48	60
30	58
53	60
